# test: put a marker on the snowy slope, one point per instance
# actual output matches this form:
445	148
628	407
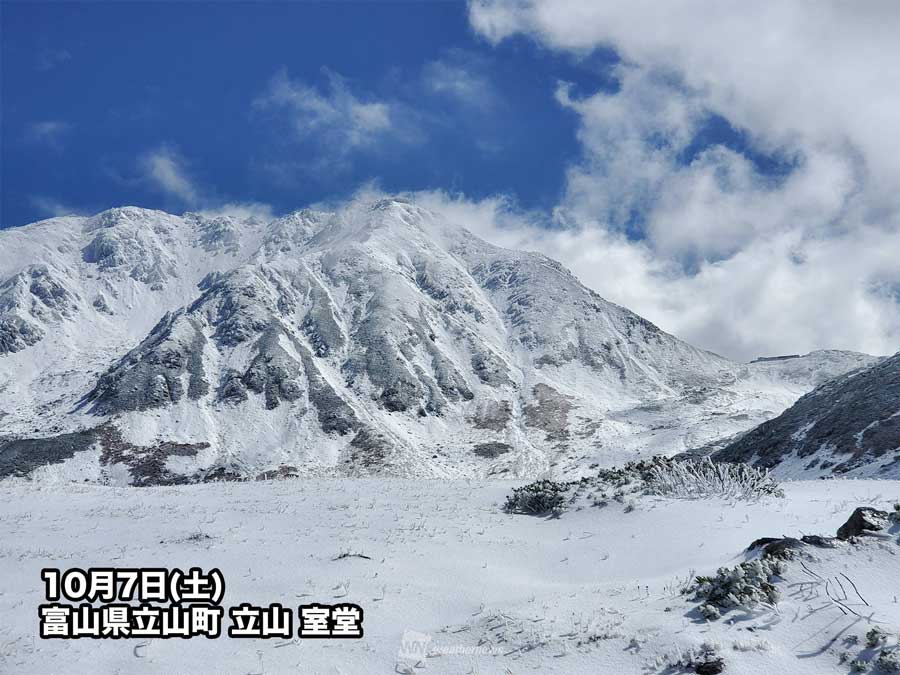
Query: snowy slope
594	591
377	339
849	425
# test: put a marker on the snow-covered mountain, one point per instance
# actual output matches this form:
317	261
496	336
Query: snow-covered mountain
139	346
848	426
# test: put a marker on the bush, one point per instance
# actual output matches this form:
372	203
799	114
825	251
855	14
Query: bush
543	496
888	661
703	478
875	637
704	660
742	587
632	473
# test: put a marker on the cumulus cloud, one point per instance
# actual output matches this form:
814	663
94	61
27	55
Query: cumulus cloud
334	116
166	170
706	243
777	295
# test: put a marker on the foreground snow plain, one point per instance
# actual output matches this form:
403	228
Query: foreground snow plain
593	591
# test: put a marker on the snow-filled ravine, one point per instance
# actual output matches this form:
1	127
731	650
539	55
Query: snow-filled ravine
475	589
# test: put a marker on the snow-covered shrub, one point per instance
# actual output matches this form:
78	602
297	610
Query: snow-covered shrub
859	666
875	637
701	478
758	645
633	474
888	661
710	612
704	659
742	587
536	498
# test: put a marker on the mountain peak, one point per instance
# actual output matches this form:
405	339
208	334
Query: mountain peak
374	338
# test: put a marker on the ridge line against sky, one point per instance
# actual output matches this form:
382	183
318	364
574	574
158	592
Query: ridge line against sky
731	172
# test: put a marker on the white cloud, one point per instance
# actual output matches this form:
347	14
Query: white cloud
47	132
787	71
726	256
165	169
460	76
240	211
48	206
335	117
779	294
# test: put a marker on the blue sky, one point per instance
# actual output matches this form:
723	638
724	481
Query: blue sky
745	198
90	91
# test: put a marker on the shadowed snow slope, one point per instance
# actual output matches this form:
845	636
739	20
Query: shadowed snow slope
850	425
376	339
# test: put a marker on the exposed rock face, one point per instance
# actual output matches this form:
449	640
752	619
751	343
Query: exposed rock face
491	450
549	412
145	465
32	299
492	415
152	374
849	423
375	339
16	334
335	415
20	457
273	372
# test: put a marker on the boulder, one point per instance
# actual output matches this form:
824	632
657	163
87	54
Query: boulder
762	541
782	548
709	664
863	519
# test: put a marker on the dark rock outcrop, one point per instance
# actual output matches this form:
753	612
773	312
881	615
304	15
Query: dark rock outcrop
491	450
273	372
21	457
16	334
863	519
150	375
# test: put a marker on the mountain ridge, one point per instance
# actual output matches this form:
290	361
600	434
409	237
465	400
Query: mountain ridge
378	338
847	426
